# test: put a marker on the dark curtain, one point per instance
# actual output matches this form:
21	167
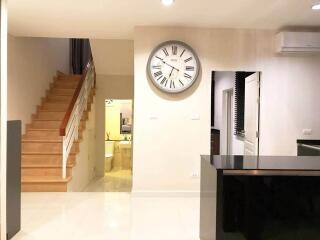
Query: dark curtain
212	97
80	54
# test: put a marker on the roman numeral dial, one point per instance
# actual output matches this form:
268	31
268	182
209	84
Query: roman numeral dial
173	66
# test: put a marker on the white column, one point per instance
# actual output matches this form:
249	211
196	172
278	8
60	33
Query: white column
3	121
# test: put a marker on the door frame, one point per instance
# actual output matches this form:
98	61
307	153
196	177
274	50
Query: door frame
3	118
227	108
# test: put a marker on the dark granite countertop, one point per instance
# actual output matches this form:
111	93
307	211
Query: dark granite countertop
280	163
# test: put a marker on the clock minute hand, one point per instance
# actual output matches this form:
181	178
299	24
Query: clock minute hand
171	66
167	63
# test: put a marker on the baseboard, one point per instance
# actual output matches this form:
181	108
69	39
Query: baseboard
174	194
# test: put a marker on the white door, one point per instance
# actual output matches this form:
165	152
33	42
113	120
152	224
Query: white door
251	115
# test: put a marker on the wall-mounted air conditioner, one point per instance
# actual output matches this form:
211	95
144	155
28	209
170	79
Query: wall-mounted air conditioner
295	42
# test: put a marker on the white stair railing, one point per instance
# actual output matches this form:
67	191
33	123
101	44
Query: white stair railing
69	129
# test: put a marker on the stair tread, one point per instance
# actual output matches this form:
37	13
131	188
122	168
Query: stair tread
42	129
50	110
47	120
44	179
69	165
25	140
37	139
53	111
62	94
31	128
46	153
57	140
61	87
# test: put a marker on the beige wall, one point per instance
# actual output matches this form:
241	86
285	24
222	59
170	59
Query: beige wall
114	66
168	143
32	63
113	57
108	87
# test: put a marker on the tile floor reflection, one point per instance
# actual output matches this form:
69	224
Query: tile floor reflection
115	216
114	181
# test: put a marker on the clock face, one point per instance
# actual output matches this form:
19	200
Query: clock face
173	66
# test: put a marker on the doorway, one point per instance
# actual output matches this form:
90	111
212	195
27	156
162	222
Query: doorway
117	167
235	112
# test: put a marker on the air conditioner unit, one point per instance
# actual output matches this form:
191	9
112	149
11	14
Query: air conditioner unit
295	42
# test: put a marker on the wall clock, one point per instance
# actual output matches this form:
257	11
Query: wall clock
173	66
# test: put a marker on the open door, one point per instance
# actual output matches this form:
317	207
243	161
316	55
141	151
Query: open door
251	114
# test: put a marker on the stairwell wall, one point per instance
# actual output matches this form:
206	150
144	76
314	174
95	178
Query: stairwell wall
32	63
114	62
83	171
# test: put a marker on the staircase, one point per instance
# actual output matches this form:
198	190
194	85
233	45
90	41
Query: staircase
42	150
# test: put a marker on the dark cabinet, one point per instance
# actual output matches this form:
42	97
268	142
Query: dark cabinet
13	178
308	147
215	142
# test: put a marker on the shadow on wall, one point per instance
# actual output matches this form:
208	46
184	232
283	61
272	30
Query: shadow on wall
176	96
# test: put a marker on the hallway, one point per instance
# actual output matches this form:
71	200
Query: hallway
100	216
113	181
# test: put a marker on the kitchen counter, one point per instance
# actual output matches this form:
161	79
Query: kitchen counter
260	198
257	165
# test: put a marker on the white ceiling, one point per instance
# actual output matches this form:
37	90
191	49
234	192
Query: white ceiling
115	19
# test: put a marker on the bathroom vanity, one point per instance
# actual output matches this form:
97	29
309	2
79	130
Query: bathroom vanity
260	198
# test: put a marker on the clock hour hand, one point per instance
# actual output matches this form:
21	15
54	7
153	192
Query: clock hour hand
171	66
167	63
171	72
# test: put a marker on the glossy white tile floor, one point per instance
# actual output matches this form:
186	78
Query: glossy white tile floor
114	181
114	216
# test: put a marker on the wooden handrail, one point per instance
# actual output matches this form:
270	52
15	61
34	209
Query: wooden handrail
67	116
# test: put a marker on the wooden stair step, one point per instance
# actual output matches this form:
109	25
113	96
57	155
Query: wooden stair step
47	115
55	124
42	131
34	126
52	139
46	147
50	159
42	134
47	134
58	98
54	106
74	77
61	91
25	139
45	153
31	179
44	184
45	165
65	84
45	171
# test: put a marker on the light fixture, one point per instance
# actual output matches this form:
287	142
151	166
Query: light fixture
316	7
167	2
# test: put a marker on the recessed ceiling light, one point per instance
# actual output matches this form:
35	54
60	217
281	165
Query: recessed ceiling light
167	2
316	6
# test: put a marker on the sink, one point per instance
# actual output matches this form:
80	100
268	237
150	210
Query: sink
125	144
